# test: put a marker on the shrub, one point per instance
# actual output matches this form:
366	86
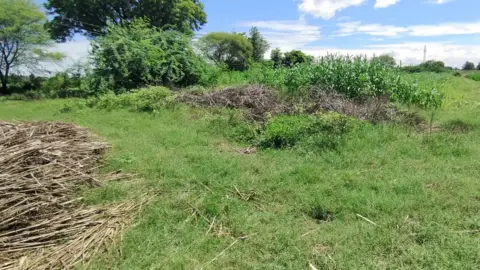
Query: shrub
142	100
428	66
324	131
457	74
136	55
474	76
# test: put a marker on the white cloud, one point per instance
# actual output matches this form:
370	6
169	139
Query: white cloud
354	28
386	3
445	29
410	53
326	9
287	34
76	52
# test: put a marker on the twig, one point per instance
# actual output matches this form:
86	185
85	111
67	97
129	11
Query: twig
220	254
366	219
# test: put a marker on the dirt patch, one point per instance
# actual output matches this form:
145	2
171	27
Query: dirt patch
44	225
259	101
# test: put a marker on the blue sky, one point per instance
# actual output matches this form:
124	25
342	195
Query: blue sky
449	28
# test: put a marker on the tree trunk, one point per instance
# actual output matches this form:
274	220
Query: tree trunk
4	79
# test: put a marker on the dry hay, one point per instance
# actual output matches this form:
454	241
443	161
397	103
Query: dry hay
373	109
259	101
43	225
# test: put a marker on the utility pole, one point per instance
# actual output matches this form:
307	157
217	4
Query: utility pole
425	54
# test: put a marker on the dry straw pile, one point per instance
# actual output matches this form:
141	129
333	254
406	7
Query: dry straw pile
43	224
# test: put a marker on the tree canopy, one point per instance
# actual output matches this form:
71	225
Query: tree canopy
468	66
23	38
386	59
230	49
276	56
138	54
90	17
295	57
259	44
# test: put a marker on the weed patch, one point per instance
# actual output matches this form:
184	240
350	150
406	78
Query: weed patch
457	126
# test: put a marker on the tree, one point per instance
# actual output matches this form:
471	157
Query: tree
230	49
478	66
138	54
90	17
259	44
386	59
277	57
23	38
468	66
296	57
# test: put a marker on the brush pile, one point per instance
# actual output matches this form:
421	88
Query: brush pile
257	100
43	224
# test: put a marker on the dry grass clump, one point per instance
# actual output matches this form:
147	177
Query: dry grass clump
43	224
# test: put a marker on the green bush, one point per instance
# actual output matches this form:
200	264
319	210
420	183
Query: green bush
428	66
142	100
323	131
474	76
138	54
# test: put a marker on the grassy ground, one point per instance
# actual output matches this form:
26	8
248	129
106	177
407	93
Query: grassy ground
388	198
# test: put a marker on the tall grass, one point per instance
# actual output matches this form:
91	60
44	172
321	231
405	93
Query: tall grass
352	76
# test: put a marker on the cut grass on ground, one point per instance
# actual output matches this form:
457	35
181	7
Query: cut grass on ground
387	198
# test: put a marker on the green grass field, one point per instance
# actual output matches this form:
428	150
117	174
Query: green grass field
389	198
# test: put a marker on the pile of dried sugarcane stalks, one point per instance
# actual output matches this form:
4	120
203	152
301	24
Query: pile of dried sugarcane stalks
43	223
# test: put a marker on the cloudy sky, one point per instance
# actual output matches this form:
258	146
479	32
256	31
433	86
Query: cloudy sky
449	28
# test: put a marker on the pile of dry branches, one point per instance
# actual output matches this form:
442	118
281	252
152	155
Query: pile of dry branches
259	101
42	223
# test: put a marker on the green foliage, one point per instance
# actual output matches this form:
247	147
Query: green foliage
276	56
230	49
295	57
91	17
468	66
137	55
259	44
386	59
23	39
352	76
323	131
142	100
428	66
457	74
474	76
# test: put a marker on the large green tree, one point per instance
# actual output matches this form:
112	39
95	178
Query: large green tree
468	66
230	49
23	38
90	17
386	59
294	57
259	44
